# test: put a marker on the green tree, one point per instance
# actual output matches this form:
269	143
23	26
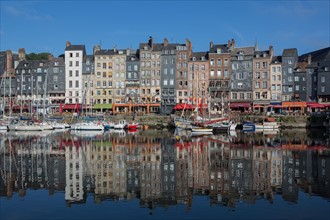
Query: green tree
37	56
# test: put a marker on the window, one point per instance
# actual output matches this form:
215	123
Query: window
264	75
257	85
234	96
226	62
212	62
241	95
219	73
77	84
273	69
70	73
264	85
171	82
278	69
257	65
70	84
322	79
297	87
257	75
273	87
289	61
240	85
165	82
322	88
77	63
55	78
219	62
290	70
296	78
212	73
77	73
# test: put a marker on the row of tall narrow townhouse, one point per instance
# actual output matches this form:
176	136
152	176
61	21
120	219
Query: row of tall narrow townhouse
158	76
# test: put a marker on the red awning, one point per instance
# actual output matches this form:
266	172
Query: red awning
317	105
277	106
182	106
258	106
240	105
71	106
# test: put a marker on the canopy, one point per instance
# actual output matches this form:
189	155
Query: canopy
182	106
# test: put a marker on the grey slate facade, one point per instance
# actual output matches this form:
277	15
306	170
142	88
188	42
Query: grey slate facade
241	74
133	76
56	80
289	62
168	70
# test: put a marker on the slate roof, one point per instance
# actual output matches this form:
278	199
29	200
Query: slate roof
156	46
215	47
246	50
32	64
317	55
289	52
199	56
276	59
75	47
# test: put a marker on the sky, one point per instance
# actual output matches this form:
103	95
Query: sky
46	25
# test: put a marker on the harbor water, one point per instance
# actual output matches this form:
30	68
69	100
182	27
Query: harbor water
163	174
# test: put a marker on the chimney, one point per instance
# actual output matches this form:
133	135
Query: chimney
165	42
50	56
9	62
115	48
228	44
21	54
271	51
189	46
68	44
233	43
96	48
151	43
309	59
211	44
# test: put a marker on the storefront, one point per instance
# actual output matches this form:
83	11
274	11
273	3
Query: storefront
241	106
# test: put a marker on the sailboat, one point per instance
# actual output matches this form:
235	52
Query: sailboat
5	121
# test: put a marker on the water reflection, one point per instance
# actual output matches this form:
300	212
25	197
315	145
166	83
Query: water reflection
161	168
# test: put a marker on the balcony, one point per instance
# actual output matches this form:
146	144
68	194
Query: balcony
133	85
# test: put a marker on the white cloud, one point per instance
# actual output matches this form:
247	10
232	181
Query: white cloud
26	13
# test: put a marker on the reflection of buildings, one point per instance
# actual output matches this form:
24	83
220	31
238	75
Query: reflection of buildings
161	171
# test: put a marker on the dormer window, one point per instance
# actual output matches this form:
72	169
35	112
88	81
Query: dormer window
218	50
145	48
194	58
257	55
41	64
264	55
241	52
56	63
203	58
326	68
26	64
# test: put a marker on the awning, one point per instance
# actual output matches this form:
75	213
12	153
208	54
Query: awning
102	106
240	105
182	106
71	106
316	105
294	104
258	106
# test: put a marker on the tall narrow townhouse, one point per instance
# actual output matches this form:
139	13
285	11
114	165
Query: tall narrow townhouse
310	76
88	86
74	58
289	61
198	80
261	79
132	83
241	78
168	77
119	75
276	81
31	78
150	67
56	82
103	82
219	61
183	53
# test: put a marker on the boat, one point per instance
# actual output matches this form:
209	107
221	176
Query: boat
201	130
120	125
266	126
222	126
249	126
87	126
59	125
24	126
108	125
132	126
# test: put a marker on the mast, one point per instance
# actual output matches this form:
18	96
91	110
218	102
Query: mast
21	93
10	104
4	94
44	96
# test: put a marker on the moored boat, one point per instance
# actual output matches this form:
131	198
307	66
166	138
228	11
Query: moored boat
87	126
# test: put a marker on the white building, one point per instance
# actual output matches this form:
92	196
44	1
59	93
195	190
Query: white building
74	57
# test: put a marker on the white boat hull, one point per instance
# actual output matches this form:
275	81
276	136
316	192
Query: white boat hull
87	126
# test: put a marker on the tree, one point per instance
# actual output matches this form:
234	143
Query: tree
37	56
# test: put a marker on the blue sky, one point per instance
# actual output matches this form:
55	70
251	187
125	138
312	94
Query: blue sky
45	26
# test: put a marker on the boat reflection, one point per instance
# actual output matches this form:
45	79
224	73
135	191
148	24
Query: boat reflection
163	168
